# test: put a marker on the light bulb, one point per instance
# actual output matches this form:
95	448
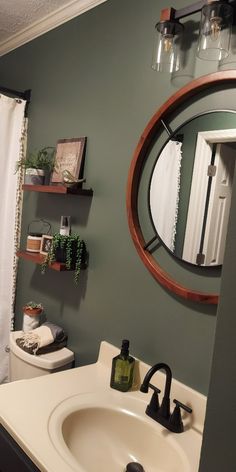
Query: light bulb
215	27
168	42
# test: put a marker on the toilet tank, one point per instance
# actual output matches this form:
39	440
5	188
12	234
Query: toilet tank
26	366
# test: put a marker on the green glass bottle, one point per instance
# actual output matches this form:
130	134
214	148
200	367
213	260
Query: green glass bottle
122	369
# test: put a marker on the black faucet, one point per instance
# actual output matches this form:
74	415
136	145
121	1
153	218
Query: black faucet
162	414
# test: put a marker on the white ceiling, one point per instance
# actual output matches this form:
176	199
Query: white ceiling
23	20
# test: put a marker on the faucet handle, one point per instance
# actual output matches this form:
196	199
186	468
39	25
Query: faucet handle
175	419
184	407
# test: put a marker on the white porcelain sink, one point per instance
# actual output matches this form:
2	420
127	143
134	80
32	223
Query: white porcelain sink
103	433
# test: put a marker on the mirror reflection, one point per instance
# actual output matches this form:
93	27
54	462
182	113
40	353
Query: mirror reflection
191	185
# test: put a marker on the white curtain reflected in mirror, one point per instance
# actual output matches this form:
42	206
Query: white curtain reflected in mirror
164	199
191	186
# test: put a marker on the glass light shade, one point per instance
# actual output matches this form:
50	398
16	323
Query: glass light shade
166	50
230	61
215	31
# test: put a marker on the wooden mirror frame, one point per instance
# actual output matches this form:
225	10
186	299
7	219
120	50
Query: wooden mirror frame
139	158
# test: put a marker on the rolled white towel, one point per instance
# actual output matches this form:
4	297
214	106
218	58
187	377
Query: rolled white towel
37	338
47	338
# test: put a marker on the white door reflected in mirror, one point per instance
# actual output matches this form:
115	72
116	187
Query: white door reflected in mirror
204	241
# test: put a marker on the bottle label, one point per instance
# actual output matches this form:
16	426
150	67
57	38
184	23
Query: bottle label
122	372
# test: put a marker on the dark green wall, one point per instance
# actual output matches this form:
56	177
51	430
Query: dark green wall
92	77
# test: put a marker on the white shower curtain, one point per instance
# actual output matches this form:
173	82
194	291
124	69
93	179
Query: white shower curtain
12	135
164	192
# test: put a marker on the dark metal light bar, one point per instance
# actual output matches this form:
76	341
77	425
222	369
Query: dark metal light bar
190	9
172	14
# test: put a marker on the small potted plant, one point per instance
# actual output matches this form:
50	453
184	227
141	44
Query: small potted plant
32	315
70	250
37	165
33	309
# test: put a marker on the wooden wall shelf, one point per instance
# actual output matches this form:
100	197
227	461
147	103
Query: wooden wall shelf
59	189
39	258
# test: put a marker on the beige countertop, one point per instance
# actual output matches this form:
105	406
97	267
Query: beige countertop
26	405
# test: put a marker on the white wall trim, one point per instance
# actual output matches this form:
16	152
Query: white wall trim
51	21
218	136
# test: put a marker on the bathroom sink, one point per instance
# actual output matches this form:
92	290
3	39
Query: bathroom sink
105	432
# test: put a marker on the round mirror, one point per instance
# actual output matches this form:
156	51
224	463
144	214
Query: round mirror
199	213
191	186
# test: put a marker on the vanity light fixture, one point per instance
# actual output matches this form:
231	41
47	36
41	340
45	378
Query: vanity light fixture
214	33
166	50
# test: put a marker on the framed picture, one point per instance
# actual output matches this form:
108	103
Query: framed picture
46	243
69	156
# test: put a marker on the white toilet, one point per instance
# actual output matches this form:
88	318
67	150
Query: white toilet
27	366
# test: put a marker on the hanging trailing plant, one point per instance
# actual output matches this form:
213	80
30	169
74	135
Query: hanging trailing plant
70	250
